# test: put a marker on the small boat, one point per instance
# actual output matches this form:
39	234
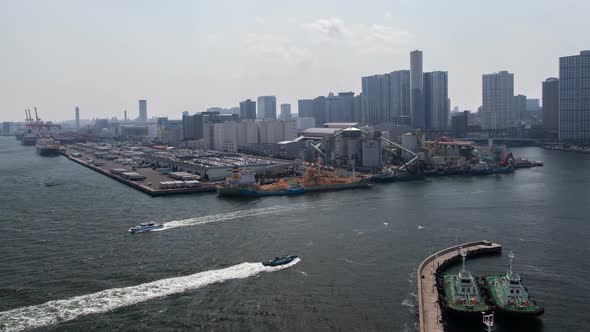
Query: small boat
280	260
145	227
510	296
538	163
462	294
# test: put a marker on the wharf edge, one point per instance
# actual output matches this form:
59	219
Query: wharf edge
429	309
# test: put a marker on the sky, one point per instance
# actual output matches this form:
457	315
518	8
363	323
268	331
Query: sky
104	56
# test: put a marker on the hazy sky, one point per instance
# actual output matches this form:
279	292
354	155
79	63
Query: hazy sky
189	55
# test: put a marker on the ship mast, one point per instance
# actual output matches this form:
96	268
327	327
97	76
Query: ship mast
511	257
463	254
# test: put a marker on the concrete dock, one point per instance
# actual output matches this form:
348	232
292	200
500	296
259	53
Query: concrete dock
149	185
429	310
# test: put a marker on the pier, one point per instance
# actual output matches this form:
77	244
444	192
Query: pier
430	316
151	178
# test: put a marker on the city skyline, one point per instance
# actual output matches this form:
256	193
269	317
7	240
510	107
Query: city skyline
55	68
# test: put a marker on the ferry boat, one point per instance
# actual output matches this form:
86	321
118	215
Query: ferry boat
510	296
145	227
280	260
462	295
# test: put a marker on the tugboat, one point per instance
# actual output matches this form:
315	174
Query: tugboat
509	296
462	295
280	260
145	227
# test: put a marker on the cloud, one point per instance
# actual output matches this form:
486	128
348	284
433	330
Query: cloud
364	39
277	49
327	27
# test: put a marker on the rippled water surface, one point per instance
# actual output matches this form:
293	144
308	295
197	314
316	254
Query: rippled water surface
63	240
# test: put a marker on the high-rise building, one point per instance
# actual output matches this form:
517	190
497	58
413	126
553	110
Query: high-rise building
574	98
340	108
125	115
551	103
143	111
77	117
533	105
248	110
375	98
285	112
267	107
399	93
192	126
319	110
436	100
305	108
519	108
497	93
185	113
417	116
460	124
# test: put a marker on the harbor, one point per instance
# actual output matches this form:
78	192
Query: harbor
326	230
430	311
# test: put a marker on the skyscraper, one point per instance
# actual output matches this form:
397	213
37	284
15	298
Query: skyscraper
551	103
192	127
340	108
518	112
399	93
375	98
305	108
143	110
267	107
436	100
77	118
417	116
497	93
248	110
574	98
285	112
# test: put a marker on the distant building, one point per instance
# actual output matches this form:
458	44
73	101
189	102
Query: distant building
417	115
267	107
248	110
304	123
185	113
519	108
497	93
320	108
399	93
305	108
77	111
533	105
340	108
6	128
285	112
436	99
574	98
460	124
375	98
192	126
143	111
551	103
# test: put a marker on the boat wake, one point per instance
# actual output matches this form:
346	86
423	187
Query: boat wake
227	216
59	311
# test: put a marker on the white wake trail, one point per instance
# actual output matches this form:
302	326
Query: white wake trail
58	311
229	216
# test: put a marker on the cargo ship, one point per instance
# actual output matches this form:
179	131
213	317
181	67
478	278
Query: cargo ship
243	183
509	296
29	138
462	295
482	168
47	147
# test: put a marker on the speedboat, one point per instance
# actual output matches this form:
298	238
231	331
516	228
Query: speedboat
145	227
281	260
